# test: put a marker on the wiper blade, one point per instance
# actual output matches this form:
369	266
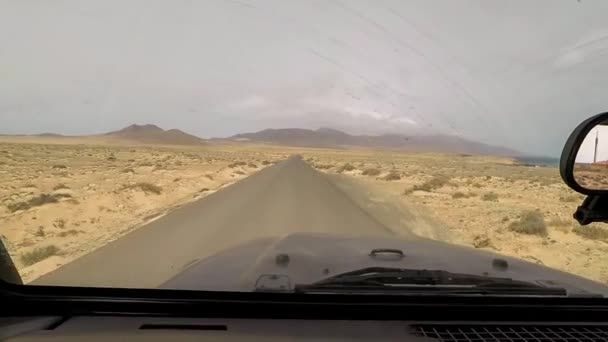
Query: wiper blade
423	281
432	290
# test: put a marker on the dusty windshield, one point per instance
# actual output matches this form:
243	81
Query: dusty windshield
282	145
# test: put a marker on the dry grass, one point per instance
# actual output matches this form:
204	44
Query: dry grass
490	196
592	232
37	201
59	223
67	233
458	195
237	163
531	223
40	232
60	186
145	187
371	172
432	184
345	167
570	198
391	176
39	254
323	166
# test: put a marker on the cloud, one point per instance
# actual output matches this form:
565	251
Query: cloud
252	102
569	59
589	45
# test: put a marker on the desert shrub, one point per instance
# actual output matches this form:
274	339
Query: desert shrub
346	167
111	158
371	172
559	222
145	187
177	179
591	232
59	223
145	163
530	222
59	166
490	196
392	176
323	166
252	165
37	201
432	184
209	176
40	232
569	198
265	162
459	194
482	241
159	166
239	172
128	170
237	163
38	254
70	232
60	186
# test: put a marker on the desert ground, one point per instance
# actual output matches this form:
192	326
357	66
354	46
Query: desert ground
62	199
484	202
591	176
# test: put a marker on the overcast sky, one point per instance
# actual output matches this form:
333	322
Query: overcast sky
587	150
520	74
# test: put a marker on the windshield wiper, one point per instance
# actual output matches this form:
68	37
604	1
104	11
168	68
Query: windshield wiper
391	280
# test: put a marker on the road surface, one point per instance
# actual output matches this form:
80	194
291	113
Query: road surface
285	198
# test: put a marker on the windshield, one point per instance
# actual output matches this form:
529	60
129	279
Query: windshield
282	145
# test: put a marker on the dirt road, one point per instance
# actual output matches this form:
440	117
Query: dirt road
286	198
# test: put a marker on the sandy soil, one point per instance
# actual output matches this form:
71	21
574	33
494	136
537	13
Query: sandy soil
593	177
482	202
60	201
63	198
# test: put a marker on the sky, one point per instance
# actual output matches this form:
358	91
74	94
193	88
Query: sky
519	73
587	149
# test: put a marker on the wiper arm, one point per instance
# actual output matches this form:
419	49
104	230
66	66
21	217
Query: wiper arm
380	279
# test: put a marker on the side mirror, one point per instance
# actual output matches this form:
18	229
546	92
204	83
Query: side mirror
584	160
584	168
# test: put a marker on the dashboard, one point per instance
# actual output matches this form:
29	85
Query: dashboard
109	328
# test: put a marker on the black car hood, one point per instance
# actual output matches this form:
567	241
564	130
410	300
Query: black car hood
304	258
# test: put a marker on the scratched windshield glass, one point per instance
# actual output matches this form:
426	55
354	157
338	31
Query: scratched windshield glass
276	145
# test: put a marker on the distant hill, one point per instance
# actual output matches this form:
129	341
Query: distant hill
332	138
151	134
50	135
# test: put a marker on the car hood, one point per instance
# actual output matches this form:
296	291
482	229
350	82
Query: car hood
277	264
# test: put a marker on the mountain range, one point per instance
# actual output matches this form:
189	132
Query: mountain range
151	134
320	138
332	138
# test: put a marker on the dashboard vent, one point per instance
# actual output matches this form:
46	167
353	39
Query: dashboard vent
183	327
512	333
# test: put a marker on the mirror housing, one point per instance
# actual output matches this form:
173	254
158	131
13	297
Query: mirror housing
571	151
595	207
